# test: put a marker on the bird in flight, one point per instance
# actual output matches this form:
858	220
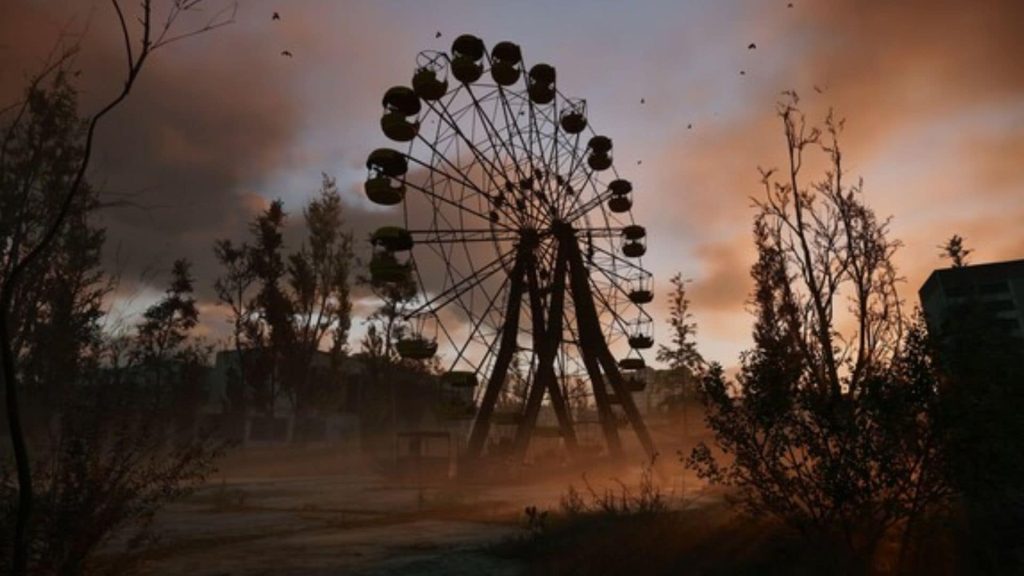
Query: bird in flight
752	46
689	126
286	53
790	5
743	72
639	162
438	34
643	101
276	16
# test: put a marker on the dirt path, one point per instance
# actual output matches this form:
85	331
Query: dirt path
356	524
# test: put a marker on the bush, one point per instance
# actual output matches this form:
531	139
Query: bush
104	476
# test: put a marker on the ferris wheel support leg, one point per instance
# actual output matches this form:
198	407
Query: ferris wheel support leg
506	349
604	409
546	372
545	345
594	343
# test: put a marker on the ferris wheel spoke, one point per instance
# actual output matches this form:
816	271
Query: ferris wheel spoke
453	203
493	133
547	157
486	166
464	182
511	119
599	197
565	200
438	236
451	293
617	261
475	330
619	289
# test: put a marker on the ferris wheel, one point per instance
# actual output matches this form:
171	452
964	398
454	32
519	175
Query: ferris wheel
518	237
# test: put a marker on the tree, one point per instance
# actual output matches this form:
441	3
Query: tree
955	251
169	359
319	274
387	318
284	306
233	289
166	325
682	357
112	462
829	428
55	309
274	334
26	250
384	328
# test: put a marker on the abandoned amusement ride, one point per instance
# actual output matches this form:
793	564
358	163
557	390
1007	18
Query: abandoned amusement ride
520	245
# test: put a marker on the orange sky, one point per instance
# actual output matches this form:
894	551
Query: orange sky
931	89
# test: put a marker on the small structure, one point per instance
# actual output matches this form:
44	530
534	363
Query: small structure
424	454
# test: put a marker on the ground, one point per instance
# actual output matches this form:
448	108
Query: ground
266	514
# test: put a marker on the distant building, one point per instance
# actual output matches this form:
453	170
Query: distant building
998	287
332	424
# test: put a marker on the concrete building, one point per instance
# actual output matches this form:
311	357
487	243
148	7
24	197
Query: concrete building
998	287
332	425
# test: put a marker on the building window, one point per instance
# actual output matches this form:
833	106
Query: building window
994	288
958	291
1008	324
999	305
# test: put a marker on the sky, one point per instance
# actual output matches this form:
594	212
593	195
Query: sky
222	123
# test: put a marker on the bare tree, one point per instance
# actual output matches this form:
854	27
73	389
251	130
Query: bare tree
25	250
830	423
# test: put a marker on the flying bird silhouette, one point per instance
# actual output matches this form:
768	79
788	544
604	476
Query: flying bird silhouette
438	34
818	89
276	16
752	46
743	72
790	5
286	53
689	126
643	101
639	162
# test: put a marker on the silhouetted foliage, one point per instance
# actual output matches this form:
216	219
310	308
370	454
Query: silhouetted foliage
284	306
955	251
830	430
20	122
319	280
56	307
170	361
682	357
113	466
125	442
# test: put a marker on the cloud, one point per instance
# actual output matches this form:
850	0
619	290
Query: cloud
222	123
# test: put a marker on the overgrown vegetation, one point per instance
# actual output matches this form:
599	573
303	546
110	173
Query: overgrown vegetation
97	469
285	306
830	424
855	438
